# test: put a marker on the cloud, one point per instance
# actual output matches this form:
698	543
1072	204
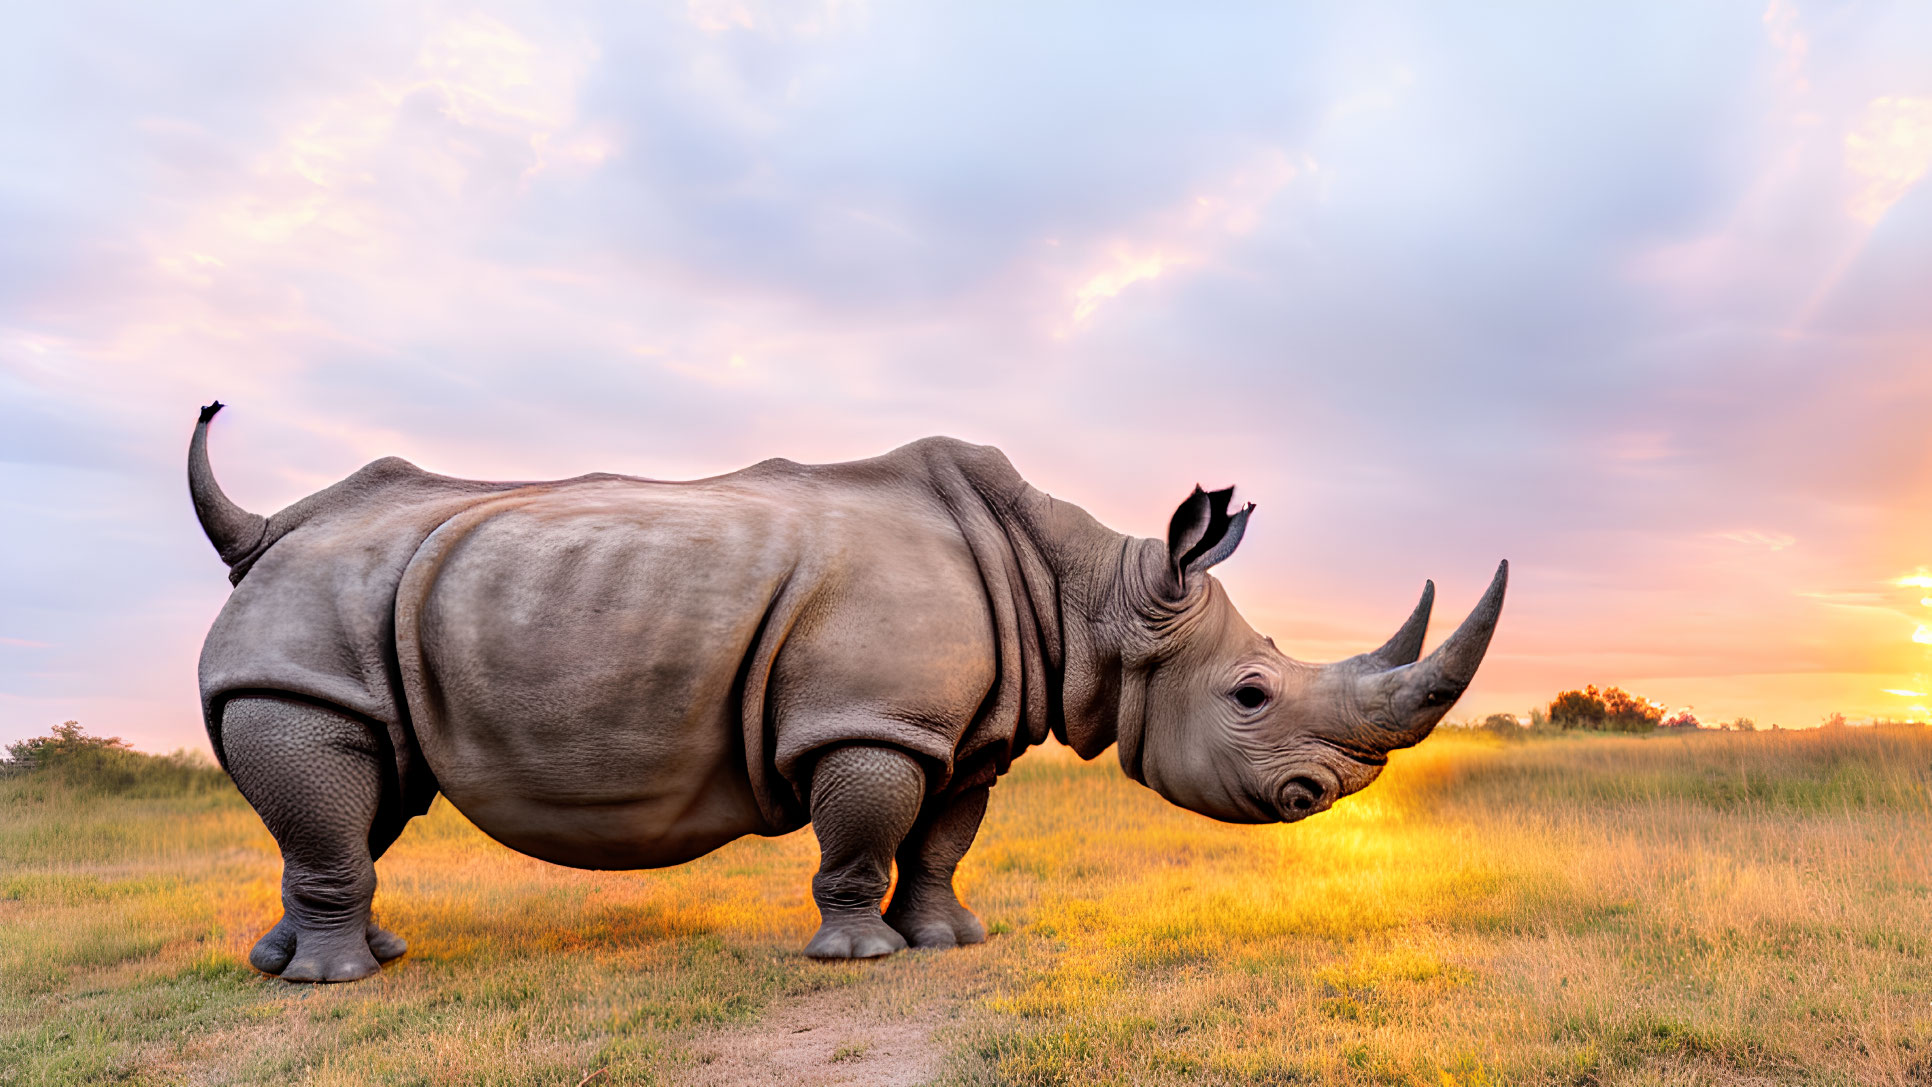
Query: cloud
1775	541
1123	271
1889	152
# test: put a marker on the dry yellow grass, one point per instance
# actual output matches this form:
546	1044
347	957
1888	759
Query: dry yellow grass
1588	910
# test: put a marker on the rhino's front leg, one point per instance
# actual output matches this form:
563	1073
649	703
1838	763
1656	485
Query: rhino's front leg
925	909
864	800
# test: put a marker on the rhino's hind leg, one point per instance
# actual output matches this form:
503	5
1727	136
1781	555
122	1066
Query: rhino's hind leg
864	800
315	775
925	909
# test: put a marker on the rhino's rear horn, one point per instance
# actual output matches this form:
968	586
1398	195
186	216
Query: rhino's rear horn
1406	645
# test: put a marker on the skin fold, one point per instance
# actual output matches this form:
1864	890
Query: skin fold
616	672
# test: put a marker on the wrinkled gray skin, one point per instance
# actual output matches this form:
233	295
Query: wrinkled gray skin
612	672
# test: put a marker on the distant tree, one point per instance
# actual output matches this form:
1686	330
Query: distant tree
1538	719
1744	724
1833	720
1578	709
1611	708
1628	713
1680	719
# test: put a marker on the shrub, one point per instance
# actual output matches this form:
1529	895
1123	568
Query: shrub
1505	723
70	760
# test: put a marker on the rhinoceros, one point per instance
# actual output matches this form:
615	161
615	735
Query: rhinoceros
614	672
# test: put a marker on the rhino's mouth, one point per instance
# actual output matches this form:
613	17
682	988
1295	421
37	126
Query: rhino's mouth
1362	755
1323	780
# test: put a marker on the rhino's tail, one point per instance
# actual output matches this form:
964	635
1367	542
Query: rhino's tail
234	531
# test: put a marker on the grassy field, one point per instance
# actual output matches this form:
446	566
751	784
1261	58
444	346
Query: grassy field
1711	908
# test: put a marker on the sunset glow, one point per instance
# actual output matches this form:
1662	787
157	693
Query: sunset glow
1434	287
1921	635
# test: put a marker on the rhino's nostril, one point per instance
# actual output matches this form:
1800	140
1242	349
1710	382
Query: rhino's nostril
1301	796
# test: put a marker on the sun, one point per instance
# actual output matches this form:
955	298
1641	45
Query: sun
1921	635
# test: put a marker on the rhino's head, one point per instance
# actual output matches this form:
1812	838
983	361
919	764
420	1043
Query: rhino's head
1237	730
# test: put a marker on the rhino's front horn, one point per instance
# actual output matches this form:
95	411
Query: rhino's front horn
1415	696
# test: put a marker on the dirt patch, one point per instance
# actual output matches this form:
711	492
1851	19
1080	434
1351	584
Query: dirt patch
832	1037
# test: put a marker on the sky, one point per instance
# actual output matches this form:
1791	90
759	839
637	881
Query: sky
1638	296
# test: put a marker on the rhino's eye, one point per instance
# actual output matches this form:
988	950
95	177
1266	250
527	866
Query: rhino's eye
1250	696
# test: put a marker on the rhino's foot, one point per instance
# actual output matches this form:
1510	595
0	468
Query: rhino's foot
941	925
273	951
855	937
385	945
296	954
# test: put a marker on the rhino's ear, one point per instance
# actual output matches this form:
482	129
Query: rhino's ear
1202	533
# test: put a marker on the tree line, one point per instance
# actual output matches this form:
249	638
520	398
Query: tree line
1609	709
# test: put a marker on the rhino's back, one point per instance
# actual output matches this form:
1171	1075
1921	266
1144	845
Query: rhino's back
570	659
